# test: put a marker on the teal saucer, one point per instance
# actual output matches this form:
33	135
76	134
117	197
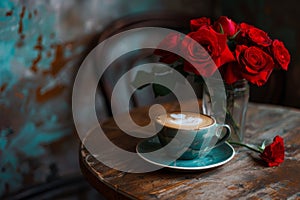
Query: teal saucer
216	157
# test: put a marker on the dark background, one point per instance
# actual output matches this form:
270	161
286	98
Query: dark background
279	20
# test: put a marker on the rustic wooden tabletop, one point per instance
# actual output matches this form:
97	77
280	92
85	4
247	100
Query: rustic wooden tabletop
244	177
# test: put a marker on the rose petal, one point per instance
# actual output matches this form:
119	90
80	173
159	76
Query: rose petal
198	23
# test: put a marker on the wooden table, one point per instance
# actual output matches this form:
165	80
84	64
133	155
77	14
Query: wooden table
244	177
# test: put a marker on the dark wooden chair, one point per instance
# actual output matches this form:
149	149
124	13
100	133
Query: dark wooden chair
174	21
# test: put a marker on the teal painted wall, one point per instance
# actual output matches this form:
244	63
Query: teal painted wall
41	46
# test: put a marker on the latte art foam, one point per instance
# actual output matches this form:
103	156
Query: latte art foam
184	120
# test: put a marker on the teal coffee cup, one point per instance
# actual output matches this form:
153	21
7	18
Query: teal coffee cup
187	135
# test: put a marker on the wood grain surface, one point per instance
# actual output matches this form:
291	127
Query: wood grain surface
244	177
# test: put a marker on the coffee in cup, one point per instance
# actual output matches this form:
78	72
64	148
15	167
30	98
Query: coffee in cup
187	135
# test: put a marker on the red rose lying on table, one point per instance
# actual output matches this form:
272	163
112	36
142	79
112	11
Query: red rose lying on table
273	154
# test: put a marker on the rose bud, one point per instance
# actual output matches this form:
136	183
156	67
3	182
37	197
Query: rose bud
229	27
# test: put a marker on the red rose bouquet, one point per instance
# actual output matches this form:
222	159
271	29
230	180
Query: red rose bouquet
239	51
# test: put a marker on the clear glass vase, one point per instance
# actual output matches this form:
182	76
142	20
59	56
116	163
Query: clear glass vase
237	98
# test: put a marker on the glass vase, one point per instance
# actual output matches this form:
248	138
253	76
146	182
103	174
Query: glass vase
237	98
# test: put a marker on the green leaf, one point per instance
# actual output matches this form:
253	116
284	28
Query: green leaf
160	70
221	29
164	77
234	36
263	145
160	90
142	77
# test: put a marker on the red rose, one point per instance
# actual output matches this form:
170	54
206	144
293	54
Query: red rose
249	33
259	37
244	27
171	42
214	49
255	65
229	27
273	154
198	23
281	54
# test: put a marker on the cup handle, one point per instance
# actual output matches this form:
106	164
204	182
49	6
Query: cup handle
226	136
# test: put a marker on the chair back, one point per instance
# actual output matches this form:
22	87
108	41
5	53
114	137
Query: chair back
145	96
